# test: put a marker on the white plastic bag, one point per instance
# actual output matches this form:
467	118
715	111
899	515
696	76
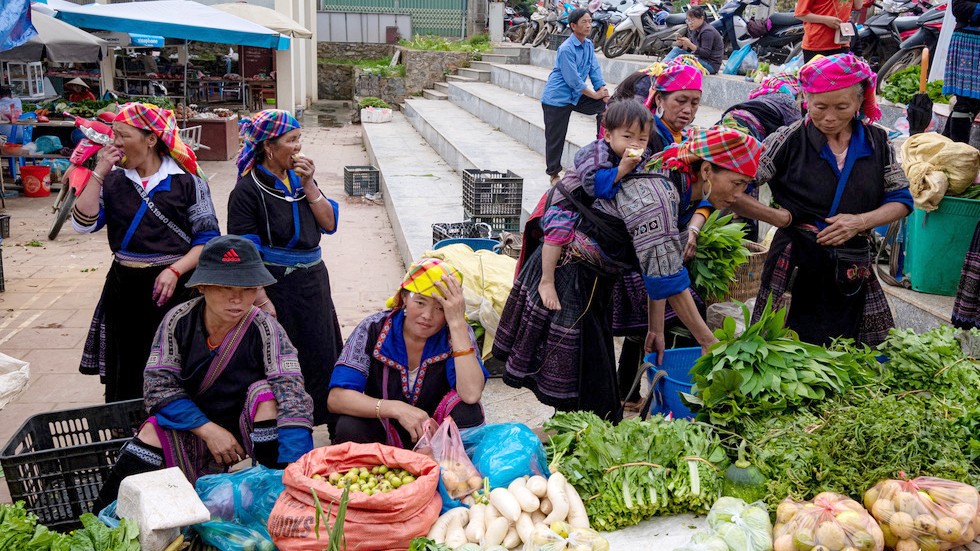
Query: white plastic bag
14	375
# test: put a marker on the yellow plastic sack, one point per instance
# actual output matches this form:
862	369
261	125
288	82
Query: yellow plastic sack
937	166
487	281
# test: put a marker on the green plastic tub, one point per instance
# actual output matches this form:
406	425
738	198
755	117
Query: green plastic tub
936	245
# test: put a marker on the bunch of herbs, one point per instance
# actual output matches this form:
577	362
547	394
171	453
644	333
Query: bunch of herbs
721	250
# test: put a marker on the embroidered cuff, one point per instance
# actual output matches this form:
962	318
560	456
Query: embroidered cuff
659	288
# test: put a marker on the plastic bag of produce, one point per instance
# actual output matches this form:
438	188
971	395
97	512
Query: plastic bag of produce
240	504
831	520
380	522
504	452
743	527
704	541
445	446
925	513
577	539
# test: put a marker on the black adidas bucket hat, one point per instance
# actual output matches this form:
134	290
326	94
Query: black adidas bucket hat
231	261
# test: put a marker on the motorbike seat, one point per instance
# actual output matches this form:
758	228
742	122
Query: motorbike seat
676	19
906	23
784	19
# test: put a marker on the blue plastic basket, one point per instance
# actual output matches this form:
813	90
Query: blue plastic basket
475	243
677	364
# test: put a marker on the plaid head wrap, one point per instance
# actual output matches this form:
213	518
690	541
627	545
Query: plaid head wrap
421	278
161	122
724	147
266	125
826	74
776	84
679	76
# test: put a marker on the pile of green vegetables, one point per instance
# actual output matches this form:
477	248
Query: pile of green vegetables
901	86
20	531
721	250
636	469
767	370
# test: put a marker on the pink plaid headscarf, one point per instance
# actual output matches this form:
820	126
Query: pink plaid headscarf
826	74
679	77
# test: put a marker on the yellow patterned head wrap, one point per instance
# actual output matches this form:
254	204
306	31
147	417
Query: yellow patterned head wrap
421	278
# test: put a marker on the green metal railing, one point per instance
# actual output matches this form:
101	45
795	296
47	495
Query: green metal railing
438	17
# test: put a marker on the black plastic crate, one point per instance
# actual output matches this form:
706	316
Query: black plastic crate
556	40
492	193
56	462
454	230
3	285
4	226
498	223
360	180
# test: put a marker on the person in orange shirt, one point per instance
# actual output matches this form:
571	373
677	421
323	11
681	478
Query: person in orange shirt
821	19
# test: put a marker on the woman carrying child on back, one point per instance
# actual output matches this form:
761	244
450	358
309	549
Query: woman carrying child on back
609	215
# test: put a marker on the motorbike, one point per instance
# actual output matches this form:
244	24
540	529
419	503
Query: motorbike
98	134
554	23
925	35
880	36
535	23
648	28
604	22
515	24
781	41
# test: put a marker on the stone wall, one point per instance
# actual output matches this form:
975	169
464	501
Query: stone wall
391	89
424	67
353	50
335	81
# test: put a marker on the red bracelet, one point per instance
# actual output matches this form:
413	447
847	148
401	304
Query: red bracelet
174	270
461	353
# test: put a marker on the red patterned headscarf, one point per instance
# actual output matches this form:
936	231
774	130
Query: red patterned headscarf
718	145
839	71
161	122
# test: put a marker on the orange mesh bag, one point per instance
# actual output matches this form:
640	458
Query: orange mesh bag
833	521
932	514
379	522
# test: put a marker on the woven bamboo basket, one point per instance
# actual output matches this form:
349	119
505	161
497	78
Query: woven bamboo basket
748	276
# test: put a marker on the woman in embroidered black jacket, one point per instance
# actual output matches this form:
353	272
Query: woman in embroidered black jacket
158	213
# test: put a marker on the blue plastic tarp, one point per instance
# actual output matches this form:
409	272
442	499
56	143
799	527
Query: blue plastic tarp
180	19
15	24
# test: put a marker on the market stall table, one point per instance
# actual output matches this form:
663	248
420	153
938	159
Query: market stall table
219	135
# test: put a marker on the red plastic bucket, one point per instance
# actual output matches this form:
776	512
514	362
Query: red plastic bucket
36	180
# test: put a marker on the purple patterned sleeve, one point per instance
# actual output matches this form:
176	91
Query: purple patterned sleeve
284	375
559	226
161	378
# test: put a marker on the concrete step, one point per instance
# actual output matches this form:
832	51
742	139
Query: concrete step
475	74
465	142
419	188
516	50
481	65
500	58
918	311
523	79
520	117
434	94
441	87
457	78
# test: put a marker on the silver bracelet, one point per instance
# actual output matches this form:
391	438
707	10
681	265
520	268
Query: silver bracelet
696	230
318	199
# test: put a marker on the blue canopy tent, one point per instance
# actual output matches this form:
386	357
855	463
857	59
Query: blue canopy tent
174	19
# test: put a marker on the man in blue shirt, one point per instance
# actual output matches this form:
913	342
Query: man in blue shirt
567	91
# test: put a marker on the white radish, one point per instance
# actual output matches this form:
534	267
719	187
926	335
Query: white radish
512	539
577	516
477	524
441	525
538	486
528	501
537	517
506	503
496	532
559	501
525	527
546	507
455	536
490	514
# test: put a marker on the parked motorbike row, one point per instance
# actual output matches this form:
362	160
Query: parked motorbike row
890	40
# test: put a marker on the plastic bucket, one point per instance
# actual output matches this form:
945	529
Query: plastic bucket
677	364
936	245
36	180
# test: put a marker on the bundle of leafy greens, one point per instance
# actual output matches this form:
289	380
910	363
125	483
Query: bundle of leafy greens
95	536
721	250
901	86
20	531
632	471
767	370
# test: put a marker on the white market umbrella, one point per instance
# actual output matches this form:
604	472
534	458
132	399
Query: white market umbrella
271	19
58	42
